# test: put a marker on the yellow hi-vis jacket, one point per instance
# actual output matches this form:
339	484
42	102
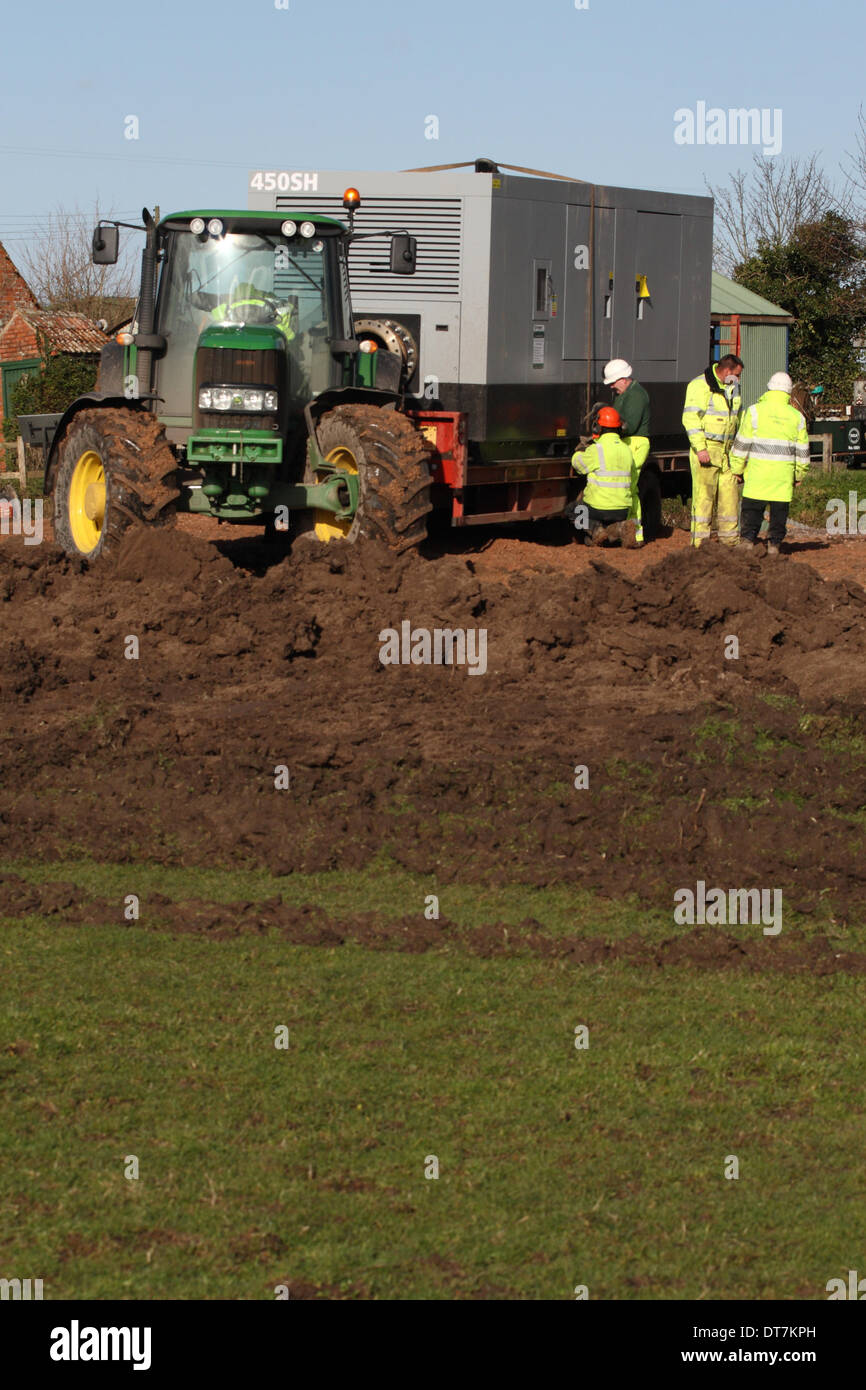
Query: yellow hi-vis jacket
284	318
711	417
611	473
772	446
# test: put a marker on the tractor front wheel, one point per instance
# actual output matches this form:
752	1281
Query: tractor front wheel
115	470
391	459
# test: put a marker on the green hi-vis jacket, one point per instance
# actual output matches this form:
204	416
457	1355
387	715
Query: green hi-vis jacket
711	416
283	320
611	474
772	447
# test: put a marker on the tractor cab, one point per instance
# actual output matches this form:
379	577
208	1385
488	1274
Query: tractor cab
250	308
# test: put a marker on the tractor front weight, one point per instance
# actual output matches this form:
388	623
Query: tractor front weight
239	482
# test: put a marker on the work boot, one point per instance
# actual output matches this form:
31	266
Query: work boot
628	534
594	534
772	549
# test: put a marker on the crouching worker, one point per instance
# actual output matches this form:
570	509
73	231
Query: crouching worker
609	509
771	451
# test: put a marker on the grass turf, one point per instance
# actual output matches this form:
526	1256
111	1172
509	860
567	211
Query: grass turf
261	1166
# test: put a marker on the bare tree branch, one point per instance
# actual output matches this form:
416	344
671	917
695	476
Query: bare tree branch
855	170
768	204
58	268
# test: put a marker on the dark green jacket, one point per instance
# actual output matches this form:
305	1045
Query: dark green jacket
634	410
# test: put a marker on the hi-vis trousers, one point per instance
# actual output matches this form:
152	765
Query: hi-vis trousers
640	447
713	487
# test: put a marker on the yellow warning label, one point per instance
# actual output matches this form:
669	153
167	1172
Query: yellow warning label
429	432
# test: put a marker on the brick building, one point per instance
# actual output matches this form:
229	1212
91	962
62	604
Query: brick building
15	293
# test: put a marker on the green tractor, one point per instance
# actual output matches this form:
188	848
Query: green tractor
243	392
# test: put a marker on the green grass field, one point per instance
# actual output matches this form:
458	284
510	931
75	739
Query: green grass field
261	1166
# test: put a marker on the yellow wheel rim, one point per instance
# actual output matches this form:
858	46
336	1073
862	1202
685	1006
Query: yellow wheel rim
329	527
87	501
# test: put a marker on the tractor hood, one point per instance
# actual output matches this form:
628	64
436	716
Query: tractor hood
245	337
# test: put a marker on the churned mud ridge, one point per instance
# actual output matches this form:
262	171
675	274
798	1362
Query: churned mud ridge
693	774
790	953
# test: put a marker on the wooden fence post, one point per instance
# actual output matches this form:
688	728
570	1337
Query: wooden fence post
826	442
21	471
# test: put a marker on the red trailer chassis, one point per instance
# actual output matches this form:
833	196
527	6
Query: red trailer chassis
476	494
521	490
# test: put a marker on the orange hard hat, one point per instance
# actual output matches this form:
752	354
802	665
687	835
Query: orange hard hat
608	418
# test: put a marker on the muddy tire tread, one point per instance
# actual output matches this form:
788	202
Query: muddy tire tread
394	512
140	473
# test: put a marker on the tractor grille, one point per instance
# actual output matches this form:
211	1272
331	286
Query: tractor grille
436	222
236	367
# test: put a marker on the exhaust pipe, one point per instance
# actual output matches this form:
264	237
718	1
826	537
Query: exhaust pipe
144	339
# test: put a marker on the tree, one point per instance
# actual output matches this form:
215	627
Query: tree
59	270
768	204
855	170
60	379
819	276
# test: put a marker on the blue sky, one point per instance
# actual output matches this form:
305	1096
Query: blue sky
221	88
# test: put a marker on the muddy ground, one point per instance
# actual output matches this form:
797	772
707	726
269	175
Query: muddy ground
705	947
248	661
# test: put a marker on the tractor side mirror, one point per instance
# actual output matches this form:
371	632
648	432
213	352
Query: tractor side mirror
105	245
404	251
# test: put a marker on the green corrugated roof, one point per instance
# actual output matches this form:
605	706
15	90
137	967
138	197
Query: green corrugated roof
727	297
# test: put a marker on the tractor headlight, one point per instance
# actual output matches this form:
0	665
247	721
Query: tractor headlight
196	226
237	398
215	227
289	228
308	229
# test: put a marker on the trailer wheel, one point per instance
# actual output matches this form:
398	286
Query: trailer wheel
649	490
116	470
391	459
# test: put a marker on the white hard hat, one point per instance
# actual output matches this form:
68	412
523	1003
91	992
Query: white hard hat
615	370
780	381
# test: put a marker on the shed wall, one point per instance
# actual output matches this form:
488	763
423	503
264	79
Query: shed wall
764	350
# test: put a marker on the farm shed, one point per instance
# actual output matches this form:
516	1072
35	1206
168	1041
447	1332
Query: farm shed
753	328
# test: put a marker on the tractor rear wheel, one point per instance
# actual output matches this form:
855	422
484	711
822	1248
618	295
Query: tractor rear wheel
115	470
391	459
